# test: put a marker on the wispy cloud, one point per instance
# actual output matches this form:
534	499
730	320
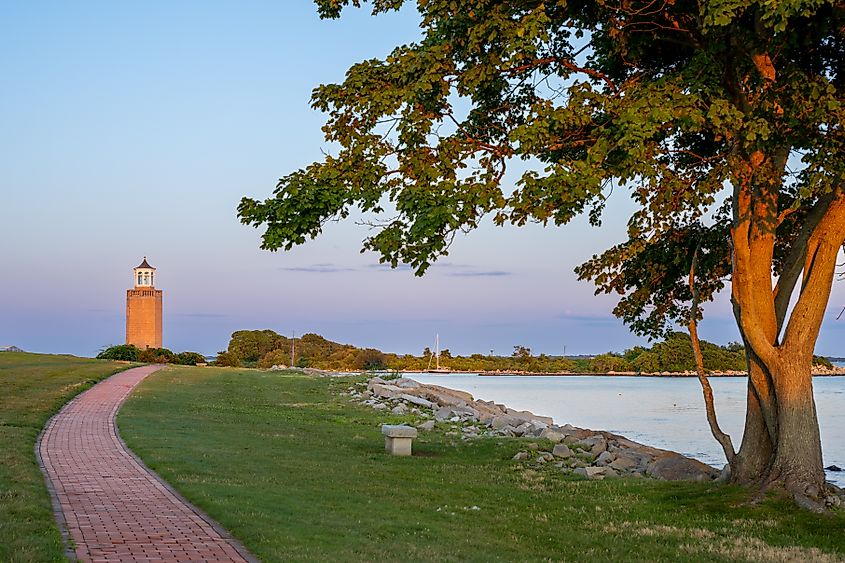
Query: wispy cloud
318	269
594	319
387	268
447	268
480	274
468	271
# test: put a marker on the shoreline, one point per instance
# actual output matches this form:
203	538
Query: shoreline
593	454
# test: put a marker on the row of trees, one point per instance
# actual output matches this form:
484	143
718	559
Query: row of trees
131	353
675	354
266	348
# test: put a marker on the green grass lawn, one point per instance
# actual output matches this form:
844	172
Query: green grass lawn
32	388
297	472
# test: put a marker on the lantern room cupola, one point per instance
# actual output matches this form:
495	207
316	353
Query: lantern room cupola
144	275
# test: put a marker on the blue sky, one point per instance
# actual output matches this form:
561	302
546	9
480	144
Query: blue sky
134	129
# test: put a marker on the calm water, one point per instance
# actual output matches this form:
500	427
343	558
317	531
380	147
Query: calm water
663	412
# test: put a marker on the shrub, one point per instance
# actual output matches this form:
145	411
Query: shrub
274	358
822	361
189	358
227	359
125	352
157	356
250	345
604	363
370	359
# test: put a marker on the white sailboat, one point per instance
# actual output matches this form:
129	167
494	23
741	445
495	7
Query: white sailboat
436	357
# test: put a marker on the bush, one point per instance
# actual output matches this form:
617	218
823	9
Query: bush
130	353
157	356
227	359
604	363
189	358
822	361
370	359
274	358
250	345
125	352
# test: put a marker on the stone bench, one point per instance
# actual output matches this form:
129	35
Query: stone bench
397	438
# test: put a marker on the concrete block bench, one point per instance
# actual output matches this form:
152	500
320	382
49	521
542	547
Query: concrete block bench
397	438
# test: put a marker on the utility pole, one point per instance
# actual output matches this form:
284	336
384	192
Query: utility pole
292	348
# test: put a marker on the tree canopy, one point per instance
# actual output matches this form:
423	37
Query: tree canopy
721	119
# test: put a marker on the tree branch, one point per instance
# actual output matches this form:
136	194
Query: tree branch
744	283
567	64
819	268
721	437
794	262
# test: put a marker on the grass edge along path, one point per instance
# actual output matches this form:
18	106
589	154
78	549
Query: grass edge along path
33	388
296	471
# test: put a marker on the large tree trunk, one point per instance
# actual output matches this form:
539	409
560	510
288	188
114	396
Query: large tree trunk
755	454
780	347
797	463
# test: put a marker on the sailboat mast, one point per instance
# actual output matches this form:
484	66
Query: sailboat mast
292	348
437	349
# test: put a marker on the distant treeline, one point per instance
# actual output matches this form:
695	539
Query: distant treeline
266	348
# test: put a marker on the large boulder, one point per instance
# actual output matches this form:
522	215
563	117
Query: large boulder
675	467
555	436
466	412
501	422
596	444
605	458
427	425
562	451
528	416
419	401
594	472
486	411
624	463
385	391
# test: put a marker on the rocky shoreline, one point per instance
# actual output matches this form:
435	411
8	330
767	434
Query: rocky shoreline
589	453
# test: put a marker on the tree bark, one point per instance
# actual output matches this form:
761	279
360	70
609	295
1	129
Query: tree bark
797	463
781	446
710	407
755	454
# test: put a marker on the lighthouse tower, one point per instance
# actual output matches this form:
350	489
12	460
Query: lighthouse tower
143	309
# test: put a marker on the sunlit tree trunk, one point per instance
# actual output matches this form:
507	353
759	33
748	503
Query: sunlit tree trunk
755	453
780	400
797	463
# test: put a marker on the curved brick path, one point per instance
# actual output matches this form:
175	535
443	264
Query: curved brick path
114	508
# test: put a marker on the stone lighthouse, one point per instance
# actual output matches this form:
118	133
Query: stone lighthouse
143	309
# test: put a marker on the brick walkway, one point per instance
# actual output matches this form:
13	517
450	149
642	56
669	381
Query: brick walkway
113	507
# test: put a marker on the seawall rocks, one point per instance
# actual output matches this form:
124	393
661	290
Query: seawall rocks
589	453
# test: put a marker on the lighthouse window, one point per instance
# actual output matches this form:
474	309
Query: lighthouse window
140	279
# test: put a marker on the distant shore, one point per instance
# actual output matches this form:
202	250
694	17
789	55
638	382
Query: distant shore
816	373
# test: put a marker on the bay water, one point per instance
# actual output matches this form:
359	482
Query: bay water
666	412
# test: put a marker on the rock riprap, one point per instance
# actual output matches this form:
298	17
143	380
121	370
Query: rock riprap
589	453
